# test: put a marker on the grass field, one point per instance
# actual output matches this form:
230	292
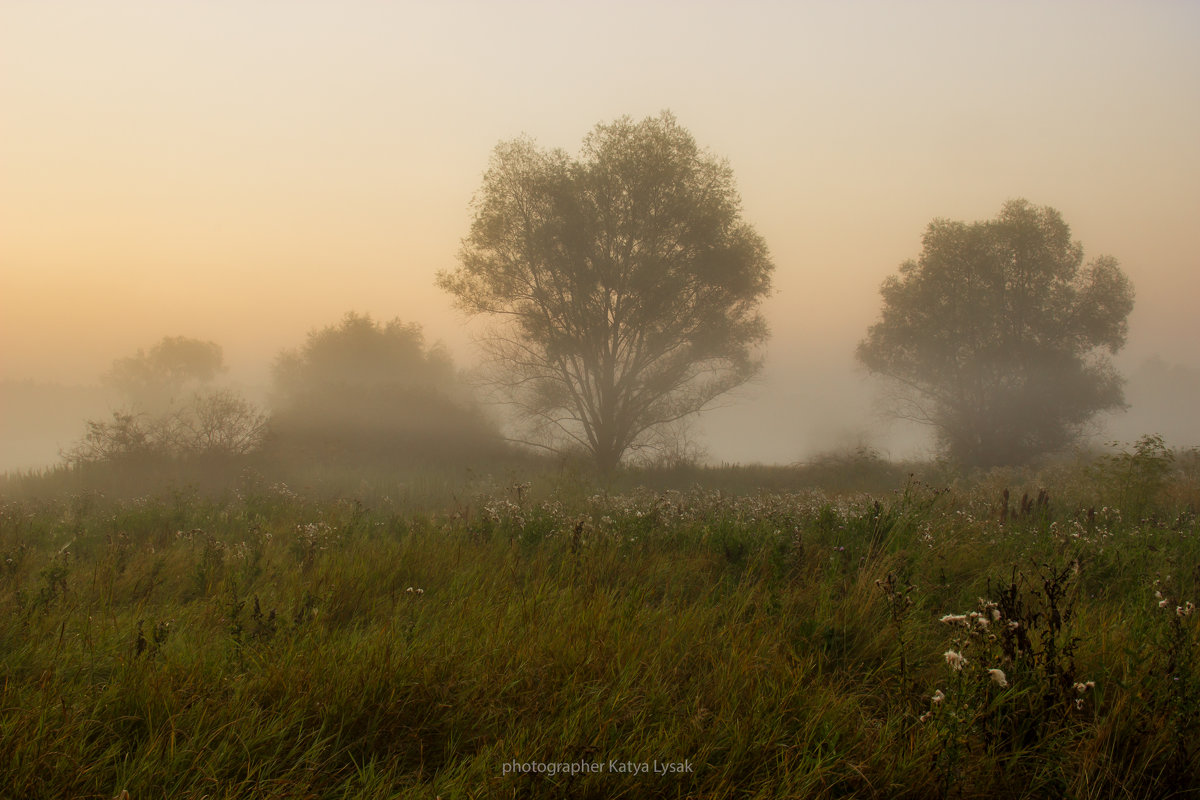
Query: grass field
1013	635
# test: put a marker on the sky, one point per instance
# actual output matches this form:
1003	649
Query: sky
244	172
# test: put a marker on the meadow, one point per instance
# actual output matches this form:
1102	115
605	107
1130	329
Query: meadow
857	629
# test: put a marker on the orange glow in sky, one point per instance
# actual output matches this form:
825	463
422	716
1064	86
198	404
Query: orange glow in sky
244	172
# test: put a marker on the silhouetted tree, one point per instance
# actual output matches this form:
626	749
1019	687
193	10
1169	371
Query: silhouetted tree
365	390
625	282
152	380
171	411
1000	338
210	423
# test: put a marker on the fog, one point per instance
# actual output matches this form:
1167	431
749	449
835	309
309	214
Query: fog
244	174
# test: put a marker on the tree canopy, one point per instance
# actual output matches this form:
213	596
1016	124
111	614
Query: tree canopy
154	379
1000	338
624	283
172	412
363	389
211	423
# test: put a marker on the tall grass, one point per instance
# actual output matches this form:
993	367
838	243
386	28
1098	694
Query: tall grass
458	639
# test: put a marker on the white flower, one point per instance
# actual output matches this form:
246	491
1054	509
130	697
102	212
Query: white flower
954	619
999	677
937	698
956	660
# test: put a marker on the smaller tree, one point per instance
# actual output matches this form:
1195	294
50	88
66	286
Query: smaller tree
171	411
154	379
214	423
127	437
1000	338
370	391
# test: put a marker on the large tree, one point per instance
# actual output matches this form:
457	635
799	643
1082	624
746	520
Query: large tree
625	284
1000	337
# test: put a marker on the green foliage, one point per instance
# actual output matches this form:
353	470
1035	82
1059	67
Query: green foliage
626	280
999	337
787	644
1137	476
152	380
169	414
1177	671
217	423
367	392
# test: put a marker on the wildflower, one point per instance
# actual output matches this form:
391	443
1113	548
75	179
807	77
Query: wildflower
1163	603
937	698
954	619
1079	704
1083	687
956	660
995	615
998	676
1185	610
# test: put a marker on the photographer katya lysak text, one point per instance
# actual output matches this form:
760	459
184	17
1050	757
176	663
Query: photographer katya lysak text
613	766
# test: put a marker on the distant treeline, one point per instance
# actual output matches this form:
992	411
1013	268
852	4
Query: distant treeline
359	392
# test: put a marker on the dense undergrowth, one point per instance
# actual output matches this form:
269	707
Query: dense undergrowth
1009	636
